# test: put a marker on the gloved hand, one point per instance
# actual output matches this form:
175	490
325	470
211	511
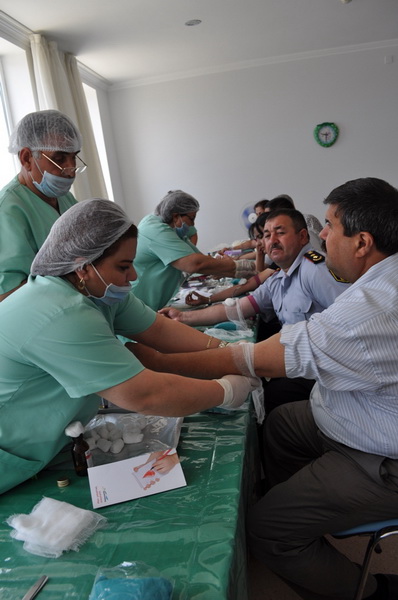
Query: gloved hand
236	389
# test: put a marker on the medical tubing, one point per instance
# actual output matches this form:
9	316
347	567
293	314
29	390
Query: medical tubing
243	357
233	312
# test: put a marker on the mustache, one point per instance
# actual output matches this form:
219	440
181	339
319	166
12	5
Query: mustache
275	246
323	246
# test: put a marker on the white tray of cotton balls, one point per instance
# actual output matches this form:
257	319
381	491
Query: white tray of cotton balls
113	437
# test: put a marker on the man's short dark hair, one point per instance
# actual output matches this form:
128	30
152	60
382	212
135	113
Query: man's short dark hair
282	201
368	204
296	216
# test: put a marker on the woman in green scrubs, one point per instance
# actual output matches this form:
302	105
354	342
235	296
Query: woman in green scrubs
165	252
59	351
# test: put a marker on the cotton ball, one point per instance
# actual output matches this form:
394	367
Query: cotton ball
91	442
115	435
141	421
103	432
230	301
92	434
133	429
74	429
242	281
104	444
111	427
132	438
117	446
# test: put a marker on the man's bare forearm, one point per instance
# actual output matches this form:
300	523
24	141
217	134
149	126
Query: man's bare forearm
208	364
269	361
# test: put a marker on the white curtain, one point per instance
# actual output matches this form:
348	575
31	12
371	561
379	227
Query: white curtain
59	86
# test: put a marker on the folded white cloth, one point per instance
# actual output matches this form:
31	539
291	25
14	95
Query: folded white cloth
54	527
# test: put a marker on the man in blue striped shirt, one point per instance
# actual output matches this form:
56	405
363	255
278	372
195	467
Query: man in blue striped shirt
332	461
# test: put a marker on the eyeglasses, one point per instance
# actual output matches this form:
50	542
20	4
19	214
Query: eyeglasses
68	170
192	219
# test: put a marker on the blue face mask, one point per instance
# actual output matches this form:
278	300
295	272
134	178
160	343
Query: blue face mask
51	185
182	231
113	293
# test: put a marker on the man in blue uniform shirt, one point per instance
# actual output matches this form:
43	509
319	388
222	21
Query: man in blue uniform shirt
302	286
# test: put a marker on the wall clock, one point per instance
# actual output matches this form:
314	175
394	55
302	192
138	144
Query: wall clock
326	134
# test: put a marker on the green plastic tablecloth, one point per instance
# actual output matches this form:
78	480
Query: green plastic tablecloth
193	535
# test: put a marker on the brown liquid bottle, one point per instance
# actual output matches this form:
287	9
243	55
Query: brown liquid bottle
80	455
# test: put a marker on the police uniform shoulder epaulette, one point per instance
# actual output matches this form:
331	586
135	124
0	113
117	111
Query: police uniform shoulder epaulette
315	257
337	278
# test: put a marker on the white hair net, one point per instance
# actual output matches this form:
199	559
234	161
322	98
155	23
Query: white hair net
48	130
80	236
178	202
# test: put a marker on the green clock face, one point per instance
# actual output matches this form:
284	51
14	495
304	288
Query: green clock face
326	134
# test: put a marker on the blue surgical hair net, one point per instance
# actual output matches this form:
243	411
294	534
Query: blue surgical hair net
80	236
48	130
178	202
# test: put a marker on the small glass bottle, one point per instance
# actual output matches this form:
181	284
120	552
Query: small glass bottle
80	448
81	454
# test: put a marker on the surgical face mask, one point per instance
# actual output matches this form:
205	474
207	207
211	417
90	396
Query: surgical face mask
113	293
51	185
182	231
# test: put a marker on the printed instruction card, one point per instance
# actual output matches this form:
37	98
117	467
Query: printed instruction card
135	477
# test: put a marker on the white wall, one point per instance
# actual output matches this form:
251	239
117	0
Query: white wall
233	138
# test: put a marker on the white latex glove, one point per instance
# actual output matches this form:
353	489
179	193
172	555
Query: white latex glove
236	389
243	355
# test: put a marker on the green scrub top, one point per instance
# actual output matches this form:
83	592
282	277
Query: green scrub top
25	221
158	246
57	349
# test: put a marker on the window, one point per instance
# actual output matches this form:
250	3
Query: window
92	101
9	167
16	100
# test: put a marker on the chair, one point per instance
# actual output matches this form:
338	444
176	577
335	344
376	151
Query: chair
377	531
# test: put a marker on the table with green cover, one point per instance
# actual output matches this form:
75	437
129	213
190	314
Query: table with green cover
193	535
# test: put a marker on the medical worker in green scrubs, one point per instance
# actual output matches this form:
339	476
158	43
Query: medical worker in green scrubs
165	252
47	144
59	351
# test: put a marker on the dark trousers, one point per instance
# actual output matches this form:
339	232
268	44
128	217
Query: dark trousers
319	487
281	390
265	330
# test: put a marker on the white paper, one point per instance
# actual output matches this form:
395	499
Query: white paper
135	477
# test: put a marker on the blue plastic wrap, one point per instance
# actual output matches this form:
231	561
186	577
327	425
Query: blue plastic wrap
130	581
